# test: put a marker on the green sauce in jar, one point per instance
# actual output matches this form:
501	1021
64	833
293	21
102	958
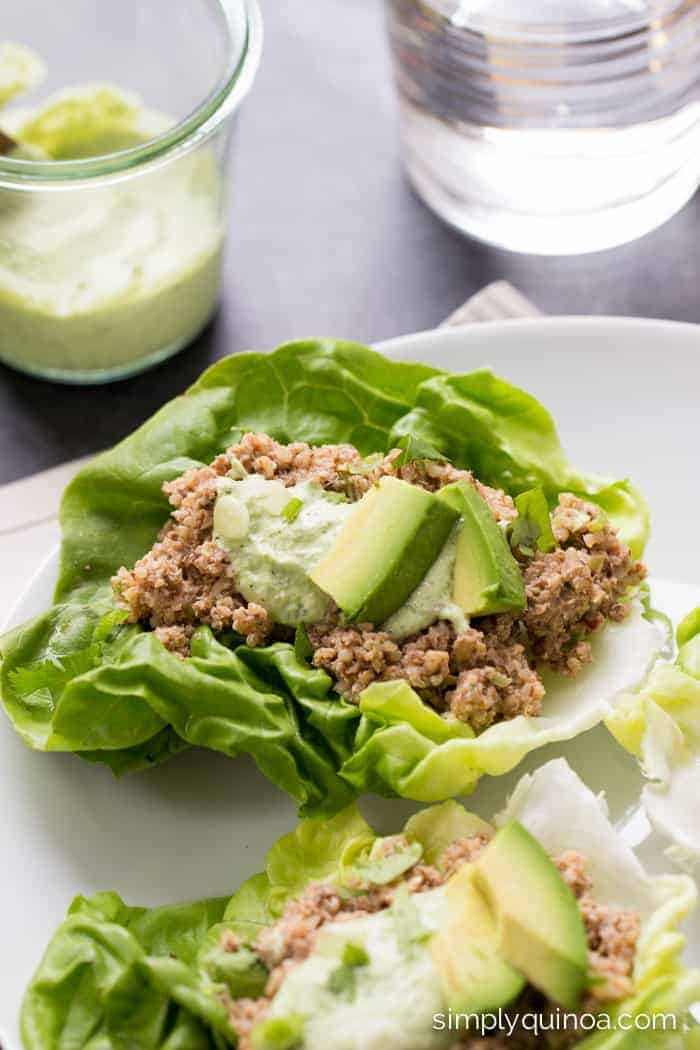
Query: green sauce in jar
101	276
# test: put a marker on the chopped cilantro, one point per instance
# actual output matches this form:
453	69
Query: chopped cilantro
292	509
302	646
388	859
413	448
278	1033
343	980
40	684
355	955
532	529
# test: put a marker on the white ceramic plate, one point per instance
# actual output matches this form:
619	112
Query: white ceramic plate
625	395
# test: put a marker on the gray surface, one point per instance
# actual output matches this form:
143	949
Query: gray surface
327	239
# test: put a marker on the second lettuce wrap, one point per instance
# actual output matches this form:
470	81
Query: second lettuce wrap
208	975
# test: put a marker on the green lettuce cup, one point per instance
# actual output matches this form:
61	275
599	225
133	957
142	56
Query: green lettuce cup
82	678
320	949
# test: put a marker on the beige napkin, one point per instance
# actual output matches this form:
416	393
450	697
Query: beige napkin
29	507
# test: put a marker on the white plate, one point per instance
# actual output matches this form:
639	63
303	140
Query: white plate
625	396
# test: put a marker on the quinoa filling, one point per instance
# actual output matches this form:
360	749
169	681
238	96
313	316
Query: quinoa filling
485	673
612	937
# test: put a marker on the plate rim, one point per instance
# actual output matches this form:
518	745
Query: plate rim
448	332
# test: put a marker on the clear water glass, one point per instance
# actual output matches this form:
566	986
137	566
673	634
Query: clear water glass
549	126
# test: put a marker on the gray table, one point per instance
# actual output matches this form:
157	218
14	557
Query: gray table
327	239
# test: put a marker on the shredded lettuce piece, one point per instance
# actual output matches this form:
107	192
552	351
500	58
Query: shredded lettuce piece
688	628
660	724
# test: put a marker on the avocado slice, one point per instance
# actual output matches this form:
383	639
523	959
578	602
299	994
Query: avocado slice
475	978
384	550
487	576
539	923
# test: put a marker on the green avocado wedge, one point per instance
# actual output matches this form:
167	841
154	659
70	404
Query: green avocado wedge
475	977
539	923
384	550
487	577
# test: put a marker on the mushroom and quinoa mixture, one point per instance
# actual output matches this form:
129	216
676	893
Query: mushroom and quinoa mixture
612	937
480	675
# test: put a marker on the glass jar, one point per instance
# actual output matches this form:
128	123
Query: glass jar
113	203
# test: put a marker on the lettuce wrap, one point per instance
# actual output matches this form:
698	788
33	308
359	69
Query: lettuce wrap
660	724
78	678
116	976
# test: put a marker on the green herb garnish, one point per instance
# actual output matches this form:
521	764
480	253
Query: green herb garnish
413	448
292	509
40	684
303	648
343	980
532	529
386	861
278	1033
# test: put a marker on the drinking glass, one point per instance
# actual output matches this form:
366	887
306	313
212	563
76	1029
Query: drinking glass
549	126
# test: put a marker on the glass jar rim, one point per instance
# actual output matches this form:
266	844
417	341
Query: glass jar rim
221	101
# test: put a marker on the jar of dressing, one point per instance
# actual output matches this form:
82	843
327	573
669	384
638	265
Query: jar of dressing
113	192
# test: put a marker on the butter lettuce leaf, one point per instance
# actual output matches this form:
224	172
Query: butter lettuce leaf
316	851
124	700
510	441
98	987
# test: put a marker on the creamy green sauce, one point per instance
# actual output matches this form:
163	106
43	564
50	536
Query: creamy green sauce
272	557
396	994
432	598
97	275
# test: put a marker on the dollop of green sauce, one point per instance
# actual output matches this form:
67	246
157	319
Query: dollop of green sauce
273	552
272	555
394	995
